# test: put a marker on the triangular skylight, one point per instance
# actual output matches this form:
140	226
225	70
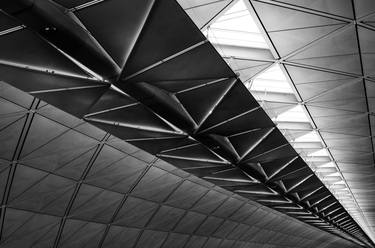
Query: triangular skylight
296	114
320	153
271	80
309	137
237	28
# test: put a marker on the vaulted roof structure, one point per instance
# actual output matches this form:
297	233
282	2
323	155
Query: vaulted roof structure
121	125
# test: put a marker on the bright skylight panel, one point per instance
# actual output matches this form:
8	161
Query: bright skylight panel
237	7
345	197
267	85
235	38
335	174
337	186
237	18
320	153
340	182
328	165
330	179
237	28
309	137
295	114
272	80
273	73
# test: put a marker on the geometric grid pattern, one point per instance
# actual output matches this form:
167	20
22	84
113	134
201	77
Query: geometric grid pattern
181	125
326	49
66	183
332	71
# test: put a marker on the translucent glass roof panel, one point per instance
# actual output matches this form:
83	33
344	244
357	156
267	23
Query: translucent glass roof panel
309	137
320	153
296	114
237	28
271	80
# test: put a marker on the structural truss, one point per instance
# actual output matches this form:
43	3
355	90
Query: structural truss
143	72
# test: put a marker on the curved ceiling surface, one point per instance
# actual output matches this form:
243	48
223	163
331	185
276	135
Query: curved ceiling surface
147	75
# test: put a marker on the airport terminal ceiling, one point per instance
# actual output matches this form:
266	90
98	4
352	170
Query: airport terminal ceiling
159	123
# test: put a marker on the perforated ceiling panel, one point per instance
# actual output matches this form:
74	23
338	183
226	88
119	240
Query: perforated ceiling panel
173	96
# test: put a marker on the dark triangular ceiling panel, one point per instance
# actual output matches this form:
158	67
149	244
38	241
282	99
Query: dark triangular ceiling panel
7	22
198	100
159	31
184	66
119	33
85	99
37	53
